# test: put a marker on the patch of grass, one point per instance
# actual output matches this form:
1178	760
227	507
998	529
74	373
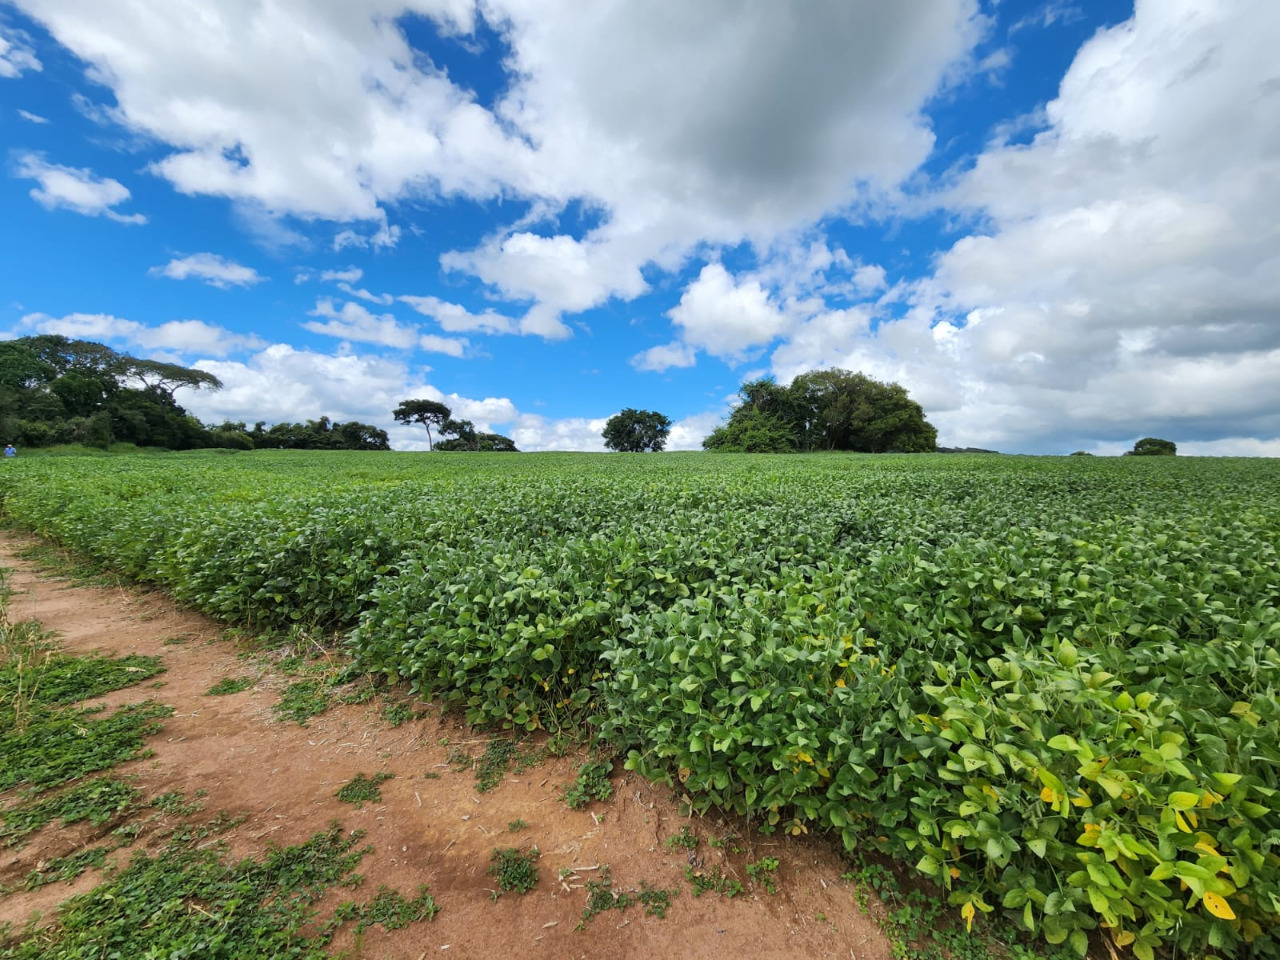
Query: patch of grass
361	788
69	867
712	881
184	901
302	700
175	804
175	641
197	832
389	908
59	746
58	562
516	825
228	685
763	872
398	712
97	801
514	870
685	839
592	784
601	897
57	679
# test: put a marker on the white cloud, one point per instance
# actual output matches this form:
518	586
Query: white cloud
532	433
168	341
688	434
349	275
30	117
382	299
75	189
728	123
454	318
559	273
354	322
1127	278
454	347
213	269
16	54
665	356
384	237
726	318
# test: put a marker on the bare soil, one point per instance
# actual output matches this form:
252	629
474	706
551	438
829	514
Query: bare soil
431	826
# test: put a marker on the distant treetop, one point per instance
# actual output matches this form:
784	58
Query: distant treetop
824	410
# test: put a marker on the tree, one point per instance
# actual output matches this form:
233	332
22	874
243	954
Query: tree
635	431
425	412
1153	447
824	410
463	430
479	443
167	377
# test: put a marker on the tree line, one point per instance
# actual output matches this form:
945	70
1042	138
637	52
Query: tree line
821	410
55	390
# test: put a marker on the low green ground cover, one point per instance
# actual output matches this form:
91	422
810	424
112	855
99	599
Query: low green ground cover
1048	684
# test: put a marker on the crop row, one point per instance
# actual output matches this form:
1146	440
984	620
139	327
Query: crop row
1048	684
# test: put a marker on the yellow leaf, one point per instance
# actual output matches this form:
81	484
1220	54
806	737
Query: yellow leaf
1123	937
1049	795
1206	847
1181	821
1082	800
840	682
801	755
1218	906
955	872
967	912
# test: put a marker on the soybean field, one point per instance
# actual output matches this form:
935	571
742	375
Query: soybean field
1047	684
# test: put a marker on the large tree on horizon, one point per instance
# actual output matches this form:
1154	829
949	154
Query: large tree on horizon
425	412
824	410
636	431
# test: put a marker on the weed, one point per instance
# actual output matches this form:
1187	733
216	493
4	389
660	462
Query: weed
69	867
431	775
514	870
175	804
686	839
59	746
592	784
728	842
361	788
98	801
398	712
713	881
195	833
229	685
175	641
389	908
763	872
515	826
184	901
601	897
302	700
499	756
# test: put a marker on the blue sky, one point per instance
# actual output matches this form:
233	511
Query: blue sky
1054	222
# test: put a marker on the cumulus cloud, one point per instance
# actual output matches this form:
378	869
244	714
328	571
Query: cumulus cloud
16	55
170	341
725	317
353	322
454	318
75	189
730	122
215	270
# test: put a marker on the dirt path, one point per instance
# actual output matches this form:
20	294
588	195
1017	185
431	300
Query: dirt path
432	826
